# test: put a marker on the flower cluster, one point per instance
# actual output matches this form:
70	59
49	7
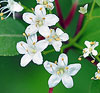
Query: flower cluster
41	22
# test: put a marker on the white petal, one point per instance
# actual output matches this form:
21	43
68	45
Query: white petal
31	29
51	0
73	69
32	39
63	60
29	18
59	31
86	54
53	80
94	52
51	19
25	60
87	43
16	7
41	45
64	37
57	45
67	81
40	11
44	31
98	65
37	58
86	6
47	66
22	47
96	44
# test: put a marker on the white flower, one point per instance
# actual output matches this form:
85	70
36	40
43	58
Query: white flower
54	38
98	65
90	49
10	8
97	75
83	10
46	3
39	20
32	50
61	71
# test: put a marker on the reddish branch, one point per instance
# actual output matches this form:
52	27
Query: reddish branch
71	15
59	13
79	25
50	90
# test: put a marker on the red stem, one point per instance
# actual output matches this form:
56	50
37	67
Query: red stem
71	15
59	13
50	90
79	25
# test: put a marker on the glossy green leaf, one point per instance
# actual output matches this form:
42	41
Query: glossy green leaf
10	33
98	2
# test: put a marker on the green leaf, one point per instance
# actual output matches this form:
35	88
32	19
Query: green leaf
10	33
81	2
92	31
98	2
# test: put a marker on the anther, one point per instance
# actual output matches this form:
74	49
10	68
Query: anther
50	65
66	68
32	9
31	18
55	62
58	72
2	18
57	39
41	8
43	18
92	61
24	34
1	14
92	78
50	40
62	59
28	35
92	43
21	44
34	43
79	58
98	71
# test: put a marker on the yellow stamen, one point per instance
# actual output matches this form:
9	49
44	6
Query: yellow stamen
50	40
41	8
1	14
27	50
48	36
92	43
43	18
79	58
28	35
34	43
50	65
58	72
31	18
92	61
51	30
98	71
38	0
66	68
53	36
21	44
55	62
62	59
92	78
84	51
57	39
32	9
24	34
2	18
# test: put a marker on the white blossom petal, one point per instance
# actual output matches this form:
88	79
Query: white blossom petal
22	47
40	11
29	18
44	31
50	67
73	69
63	60
94	52
86	6
41	45
51	19
25	60
50	6
64	37
67	81
53	80
96	44
32	39
57	45
17	7
98	65
87	43
86	54
59	31
37	58
31	29
51	0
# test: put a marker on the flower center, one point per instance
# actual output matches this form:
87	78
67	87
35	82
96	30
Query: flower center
33	51
39	23
83	9
90	49
60	71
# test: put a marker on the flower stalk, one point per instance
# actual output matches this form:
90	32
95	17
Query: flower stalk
50	90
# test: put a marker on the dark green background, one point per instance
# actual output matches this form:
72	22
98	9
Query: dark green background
33	78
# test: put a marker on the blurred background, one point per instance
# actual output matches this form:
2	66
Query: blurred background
34	78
